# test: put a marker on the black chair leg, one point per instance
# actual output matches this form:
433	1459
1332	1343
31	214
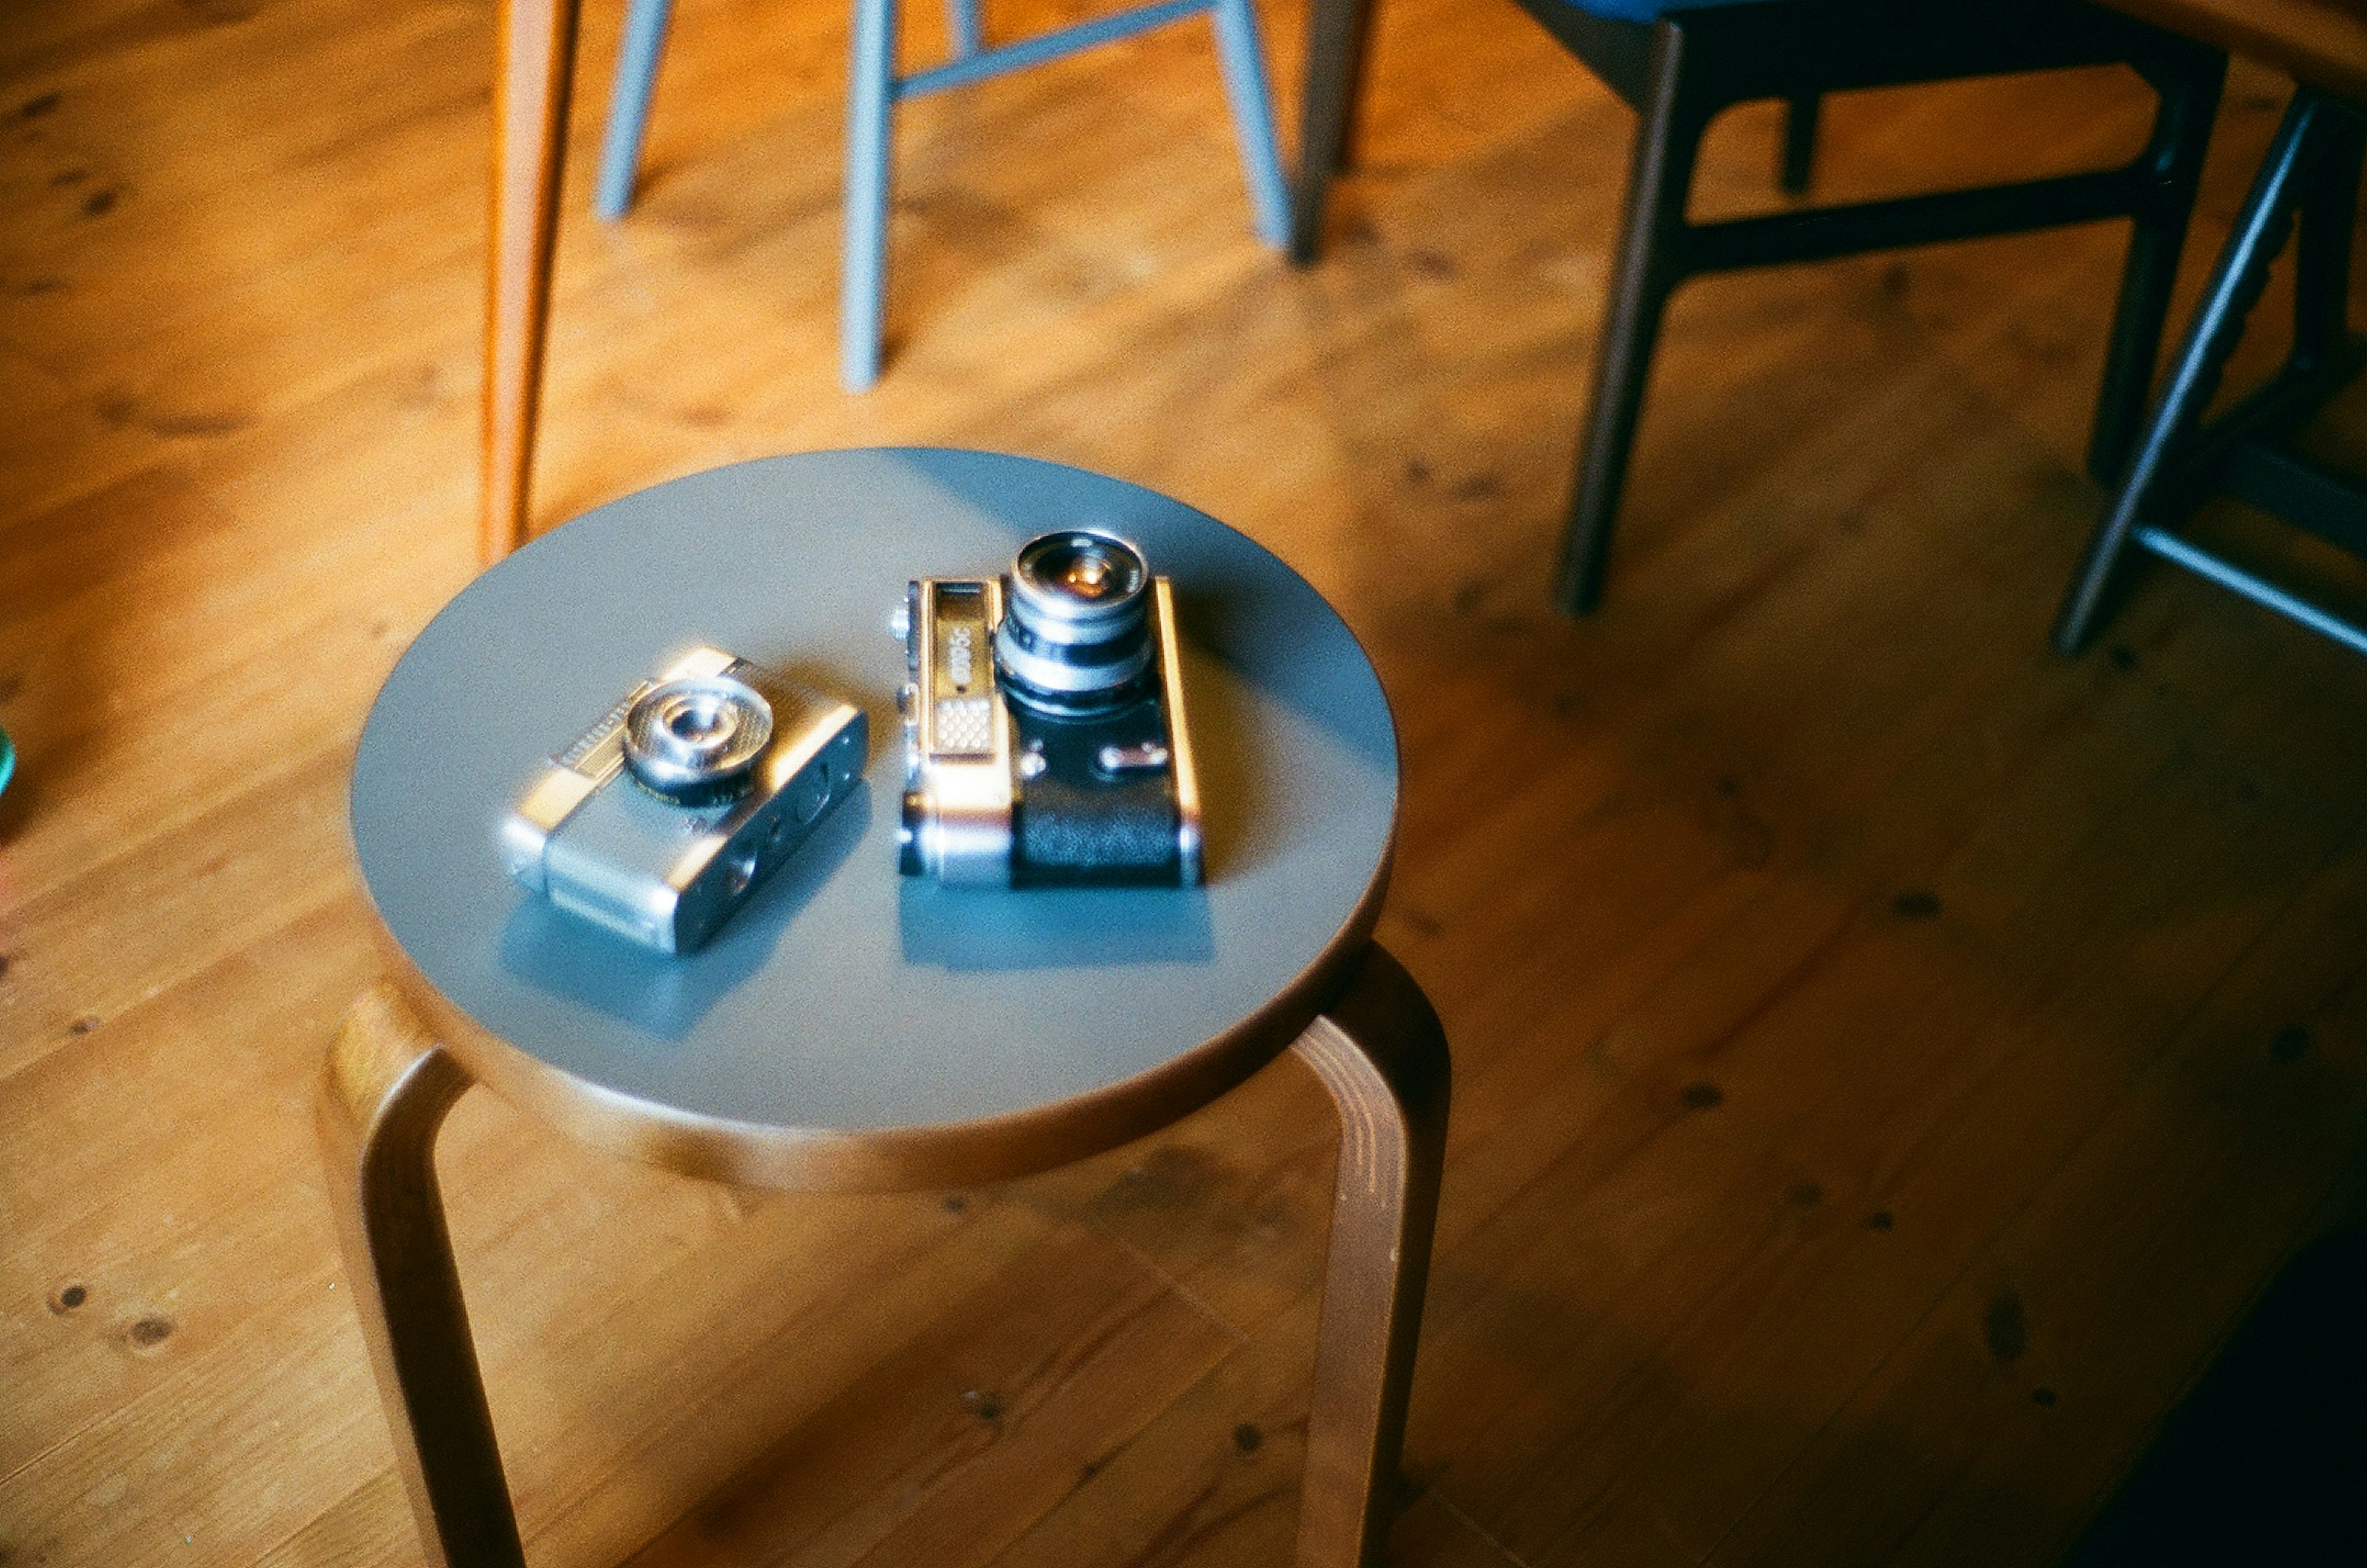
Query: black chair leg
1337	34
2242	272
1799	143
1651	262
2322	254
2189	94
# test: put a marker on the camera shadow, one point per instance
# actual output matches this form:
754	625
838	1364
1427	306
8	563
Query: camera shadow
667	994
975	929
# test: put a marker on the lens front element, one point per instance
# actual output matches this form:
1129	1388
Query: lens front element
1078	627
696	738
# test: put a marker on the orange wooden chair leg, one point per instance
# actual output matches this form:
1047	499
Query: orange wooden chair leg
537	44
385	1094
1381	1053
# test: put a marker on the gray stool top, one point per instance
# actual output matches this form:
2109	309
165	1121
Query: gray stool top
852	1026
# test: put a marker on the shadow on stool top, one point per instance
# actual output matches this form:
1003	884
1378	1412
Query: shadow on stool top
852	1027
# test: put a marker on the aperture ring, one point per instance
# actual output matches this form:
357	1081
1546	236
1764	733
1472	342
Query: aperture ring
1069	669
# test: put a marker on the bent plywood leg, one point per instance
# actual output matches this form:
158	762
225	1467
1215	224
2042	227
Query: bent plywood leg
537	44
1382	1054
384	1096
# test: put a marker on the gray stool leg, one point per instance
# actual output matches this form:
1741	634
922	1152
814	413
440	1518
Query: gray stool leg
2242	272
871	103
961	21
1651	264
1382	1054
386	1092
1244	59
1337	33
629	105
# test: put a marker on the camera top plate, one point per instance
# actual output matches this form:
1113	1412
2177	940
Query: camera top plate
852	1027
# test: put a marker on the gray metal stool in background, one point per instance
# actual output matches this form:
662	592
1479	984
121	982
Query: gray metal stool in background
875	89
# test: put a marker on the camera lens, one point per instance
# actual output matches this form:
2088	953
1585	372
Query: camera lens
1076	630
694	740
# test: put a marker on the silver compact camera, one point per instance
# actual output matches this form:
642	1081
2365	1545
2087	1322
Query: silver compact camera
660	818
1044	734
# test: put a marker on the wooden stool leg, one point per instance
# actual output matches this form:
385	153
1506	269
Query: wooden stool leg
1382	1054
537	44
385	1094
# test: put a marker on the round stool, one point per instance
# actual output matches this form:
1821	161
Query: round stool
852	1028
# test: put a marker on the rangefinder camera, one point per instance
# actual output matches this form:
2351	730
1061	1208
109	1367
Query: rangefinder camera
659	819
1043	736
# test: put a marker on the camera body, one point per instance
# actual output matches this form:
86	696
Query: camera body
1044	732
659	819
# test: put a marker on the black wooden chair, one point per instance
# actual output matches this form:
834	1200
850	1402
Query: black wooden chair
1681	62
2309	181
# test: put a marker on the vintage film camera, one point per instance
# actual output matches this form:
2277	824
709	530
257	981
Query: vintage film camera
1044	734
658	821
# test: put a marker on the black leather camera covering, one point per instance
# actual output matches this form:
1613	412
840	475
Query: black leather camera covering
1075	825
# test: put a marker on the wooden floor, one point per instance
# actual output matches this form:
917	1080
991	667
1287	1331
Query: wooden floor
1890	1057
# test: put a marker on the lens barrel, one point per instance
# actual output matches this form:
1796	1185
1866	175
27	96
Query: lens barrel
694	739
1076	631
